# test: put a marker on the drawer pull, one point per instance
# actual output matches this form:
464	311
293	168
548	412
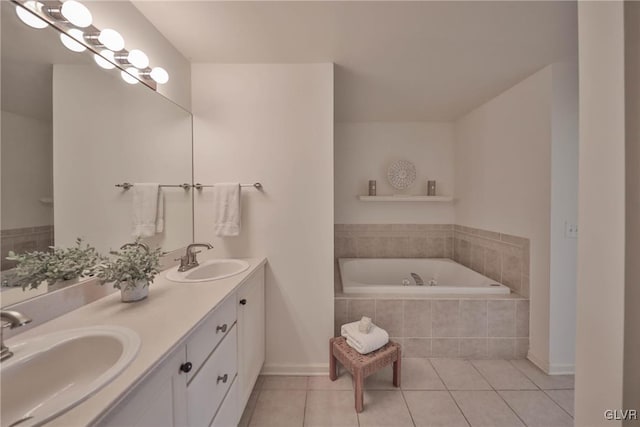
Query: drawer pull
186	367
223	378
222	328
243	301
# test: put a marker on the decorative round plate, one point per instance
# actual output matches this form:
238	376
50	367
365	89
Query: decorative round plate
401	174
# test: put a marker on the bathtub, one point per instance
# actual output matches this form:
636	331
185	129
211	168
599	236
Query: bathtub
386	276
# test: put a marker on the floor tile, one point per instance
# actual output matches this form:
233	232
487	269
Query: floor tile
536	409
248	410
459	374
259	382
502	375
542	380
418	374
564	398
284	382
330	408
486	409
279	408
344	382
384	409
434	409
381	380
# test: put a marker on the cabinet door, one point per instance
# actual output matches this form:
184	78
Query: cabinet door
251	334
160	400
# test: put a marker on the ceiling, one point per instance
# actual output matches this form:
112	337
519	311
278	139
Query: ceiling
395	60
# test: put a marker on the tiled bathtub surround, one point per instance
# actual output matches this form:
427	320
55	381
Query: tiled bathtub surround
499	256
502	257
479	327
22	240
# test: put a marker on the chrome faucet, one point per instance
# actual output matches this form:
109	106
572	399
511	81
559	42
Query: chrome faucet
10	319
418	279
189	260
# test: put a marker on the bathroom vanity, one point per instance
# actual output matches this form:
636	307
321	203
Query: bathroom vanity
202	349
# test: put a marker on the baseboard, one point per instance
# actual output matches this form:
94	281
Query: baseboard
295	369
549	369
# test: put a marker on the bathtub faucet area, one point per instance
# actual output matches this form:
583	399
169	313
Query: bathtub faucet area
418	279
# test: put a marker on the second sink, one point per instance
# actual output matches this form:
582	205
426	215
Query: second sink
213	269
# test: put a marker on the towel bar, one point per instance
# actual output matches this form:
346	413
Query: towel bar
128	185
256	185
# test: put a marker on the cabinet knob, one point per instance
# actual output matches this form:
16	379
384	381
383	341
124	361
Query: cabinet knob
222	328
223	378
186	367
243	301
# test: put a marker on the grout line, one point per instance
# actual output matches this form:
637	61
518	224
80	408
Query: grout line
407	406
304	409
554	401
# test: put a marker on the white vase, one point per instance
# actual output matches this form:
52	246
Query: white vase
137	292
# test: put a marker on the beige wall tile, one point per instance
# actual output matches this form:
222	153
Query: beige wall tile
435	247
345	247
473	318
389	316
514	240
492	266
501	348
340	315
501	318
524	286
445	347
361	307
522	348
473	348
522	318
488	234
416	347
417	247
445	318
477	258
417	318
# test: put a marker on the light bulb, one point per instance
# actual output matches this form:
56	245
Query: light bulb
138	59
111	39
29	18
76	13
128	75
102	62
70	41
160	75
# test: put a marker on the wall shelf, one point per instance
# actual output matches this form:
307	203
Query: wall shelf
405	198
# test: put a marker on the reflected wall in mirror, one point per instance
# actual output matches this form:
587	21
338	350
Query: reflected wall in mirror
70	132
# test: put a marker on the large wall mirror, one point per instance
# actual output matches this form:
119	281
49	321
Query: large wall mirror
71	131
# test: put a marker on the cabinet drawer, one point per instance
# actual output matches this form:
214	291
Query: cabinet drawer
227	415
207	389
207	336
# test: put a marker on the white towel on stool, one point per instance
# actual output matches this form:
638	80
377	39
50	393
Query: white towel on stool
364	343
148	209
226	209
364	325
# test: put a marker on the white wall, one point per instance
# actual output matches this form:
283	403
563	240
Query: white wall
139	33
274	124
632	231
503	179
106	132
364	151
27	171
564	210
601	246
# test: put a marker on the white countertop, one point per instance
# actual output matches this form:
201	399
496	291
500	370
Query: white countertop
163	320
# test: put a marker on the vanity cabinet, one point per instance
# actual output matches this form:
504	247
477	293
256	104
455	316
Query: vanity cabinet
207	380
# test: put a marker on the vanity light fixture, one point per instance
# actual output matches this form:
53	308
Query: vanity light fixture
107	63
111	39
130	75
29	18
71	40
76	13
138	59
106	45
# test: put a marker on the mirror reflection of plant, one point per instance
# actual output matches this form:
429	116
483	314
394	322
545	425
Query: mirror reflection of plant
129	265
58	264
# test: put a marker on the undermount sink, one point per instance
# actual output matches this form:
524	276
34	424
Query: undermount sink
213	269
49	374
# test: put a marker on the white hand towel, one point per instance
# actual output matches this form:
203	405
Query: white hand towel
226	209
364	343
364	325
148	209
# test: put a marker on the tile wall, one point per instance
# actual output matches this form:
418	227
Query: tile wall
22	240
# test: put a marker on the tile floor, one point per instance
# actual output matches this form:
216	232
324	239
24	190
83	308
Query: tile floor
434	393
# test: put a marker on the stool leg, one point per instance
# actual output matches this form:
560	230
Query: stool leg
397	370
332	363
359	380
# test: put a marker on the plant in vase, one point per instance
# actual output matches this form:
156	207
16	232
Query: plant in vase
131	269
57	265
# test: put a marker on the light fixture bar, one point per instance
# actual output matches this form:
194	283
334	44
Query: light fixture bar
93	40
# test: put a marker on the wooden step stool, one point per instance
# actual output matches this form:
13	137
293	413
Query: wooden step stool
363	365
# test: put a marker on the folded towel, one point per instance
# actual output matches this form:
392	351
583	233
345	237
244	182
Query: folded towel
364	343
364	325
226	209
148	209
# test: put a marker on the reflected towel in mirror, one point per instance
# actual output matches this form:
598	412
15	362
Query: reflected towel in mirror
148	209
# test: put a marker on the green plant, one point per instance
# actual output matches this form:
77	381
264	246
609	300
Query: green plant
58	264
130	264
